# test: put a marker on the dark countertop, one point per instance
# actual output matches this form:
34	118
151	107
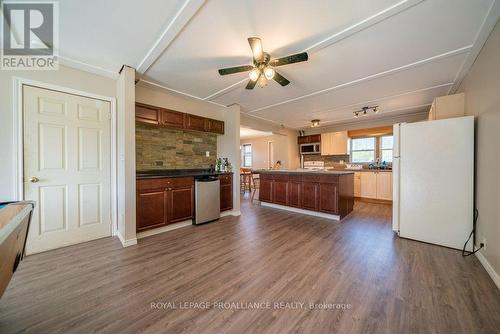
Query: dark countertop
303	171
368	170
160	173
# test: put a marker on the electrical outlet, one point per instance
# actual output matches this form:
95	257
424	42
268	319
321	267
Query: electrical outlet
207	153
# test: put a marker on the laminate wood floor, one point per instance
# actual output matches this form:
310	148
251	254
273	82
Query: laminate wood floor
376	282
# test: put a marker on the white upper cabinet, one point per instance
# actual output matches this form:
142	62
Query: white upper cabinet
334	143
447	106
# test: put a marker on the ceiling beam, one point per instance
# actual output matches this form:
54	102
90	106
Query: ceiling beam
338	36
384	98
183	16
146	83
371	77
482	35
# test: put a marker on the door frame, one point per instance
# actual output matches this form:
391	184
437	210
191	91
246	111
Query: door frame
18	138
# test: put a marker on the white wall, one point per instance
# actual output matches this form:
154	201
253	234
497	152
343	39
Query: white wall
64	77
482	99
227	144
286	148
125	137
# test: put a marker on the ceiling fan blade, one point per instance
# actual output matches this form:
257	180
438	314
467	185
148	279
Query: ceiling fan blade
256	46
280	79
236	69
251	84
289	59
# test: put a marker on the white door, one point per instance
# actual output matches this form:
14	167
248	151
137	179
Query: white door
66	168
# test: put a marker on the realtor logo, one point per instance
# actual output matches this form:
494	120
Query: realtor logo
29	35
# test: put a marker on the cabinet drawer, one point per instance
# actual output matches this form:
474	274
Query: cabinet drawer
295	178
181	182
225	179
149	184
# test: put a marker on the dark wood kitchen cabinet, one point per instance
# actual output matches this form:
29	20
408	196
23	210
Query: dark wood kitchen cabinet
151	209
172	119
309	196
181	199
193	122
215	126
226	192
147	114
309	139
163	201
266	188
325	192
328	197
162	117
280	190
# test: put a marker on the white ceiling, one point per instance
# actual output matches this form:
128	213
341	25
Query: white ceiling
396	54
246	133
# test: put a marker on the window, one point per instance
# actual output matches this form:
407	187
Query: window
247	155
363	149
386	143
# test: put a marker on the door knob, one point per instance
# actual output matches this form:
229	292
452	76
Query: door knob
34	179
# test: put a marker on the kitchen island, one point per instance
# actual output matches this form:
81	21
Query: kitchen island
328	194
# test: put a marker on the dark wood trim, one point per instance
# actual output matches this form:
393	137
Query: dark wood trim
370	132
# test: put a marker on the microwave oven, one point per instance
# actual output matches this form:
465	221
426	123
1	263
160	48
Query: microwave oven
310	148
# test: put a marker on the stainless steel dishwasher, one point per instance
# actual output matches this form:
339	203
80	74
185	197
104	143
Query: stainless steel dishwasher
207	199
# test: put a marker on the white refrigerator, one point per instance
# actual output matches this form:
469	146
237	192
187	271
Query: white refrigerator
433	181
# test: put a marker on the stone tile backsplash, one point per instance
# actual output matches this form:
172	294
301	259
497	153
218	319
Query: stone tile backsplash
162	148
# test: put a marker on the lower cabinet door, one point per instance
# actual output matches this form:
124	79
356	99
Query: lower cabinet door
309	196
294	194
265	190
328	197
280	190
226	197
368	185
180	204
151	209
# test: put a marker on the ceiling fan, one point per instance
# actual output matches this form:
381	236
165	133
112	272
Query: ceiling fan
262	69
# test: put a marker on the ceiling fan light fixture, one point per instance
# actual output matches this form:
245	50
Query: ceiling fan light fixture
314	123
254	74
269	73
262	82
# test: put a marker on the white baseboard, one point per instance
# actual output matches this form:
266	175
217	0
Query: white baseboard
302	211
163	229
493	274
126	243
230	213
